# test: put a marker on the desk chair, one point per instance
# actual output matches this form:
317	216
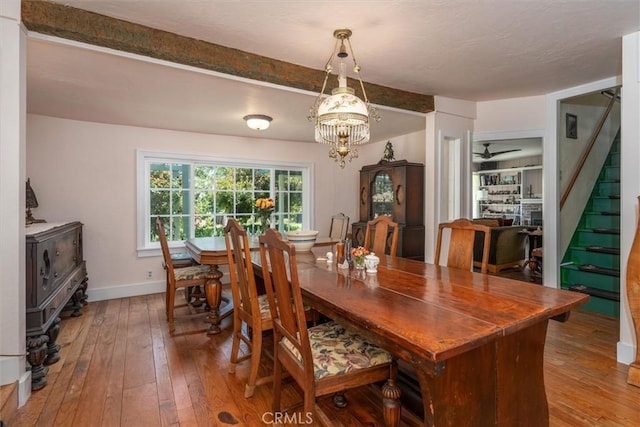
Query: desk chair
316	357
339	226
461	242
195	275
379	231
248	307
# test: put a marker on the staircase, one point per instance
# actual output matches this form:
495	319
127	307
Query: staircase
592	262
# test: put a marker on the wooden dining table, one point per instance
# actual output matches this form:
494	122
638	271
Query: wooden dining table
475	341
213	251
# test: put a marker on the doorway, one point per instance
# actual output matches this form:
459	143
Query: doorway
507	179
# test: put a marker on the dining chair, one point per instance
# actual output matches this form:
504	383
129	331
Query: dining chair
339	226
323	359
382	233
195	275
461	242
192	294
249	308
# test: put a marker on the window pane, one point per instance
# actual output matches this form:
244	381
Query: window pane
159	203
262	179
224	179
290	222
282	180
295	181
159	176
244	179
179	202
179	175
296	203
244	203
282	202
218	227
178	228
224	202
203	226
203	202
204	177
153	230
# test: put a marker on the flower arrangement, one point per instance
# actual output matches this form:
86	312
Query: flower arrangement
358	255
265	207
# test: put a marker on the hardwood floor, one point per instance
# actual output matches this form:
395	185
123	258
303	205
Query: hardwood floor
120	367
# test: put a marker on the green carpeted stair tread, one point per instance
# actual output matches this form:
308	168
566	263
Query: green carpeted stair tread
600	293
603	250
600	270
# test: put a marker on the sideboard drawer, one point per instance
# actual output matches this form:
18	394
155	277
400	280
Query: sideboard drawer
40	317
51	256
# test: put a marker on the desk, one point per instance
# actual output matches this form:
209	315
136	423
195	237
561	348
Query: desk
213	251
476	341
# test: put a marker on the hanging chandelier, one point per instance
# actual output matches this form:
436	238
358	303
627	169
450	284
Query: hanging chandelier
342	119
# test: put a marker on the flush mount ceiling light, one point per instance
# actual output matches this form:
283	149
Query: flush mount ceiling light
257	121
342	119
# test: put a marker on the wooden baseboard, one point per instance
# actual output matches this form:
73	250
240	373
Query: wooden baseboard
8	401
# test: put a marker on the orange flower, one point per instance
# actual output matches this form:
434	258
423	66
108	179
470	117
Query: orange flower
265	204
360	251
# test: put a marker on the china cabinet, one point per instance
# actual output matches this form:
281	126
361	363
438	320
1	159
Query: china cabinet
397	189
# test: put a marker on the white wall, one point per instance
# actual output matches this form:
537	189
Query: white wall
87	171
630	183
515	114
451	120
12	197
569	150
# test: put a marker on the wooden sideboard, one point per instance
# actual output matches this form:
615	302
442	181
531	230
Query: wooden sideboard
56	280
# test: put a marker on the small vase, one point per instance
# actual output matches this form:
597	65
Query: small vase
358	262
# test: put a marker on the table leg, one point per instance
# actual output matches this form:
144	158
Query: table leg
213	291
498	384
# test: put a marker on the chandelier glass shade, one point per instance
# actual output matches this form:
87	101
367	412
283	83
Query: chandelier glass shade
342	119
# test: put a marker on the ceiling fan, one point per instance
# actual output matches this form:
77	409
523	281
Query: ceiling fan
486	154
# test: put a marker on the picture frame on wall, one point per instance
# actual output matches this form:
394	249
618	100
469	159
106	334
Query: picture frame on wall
571	126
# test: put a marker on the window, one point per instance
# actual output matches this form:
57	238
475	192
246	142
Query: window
196	195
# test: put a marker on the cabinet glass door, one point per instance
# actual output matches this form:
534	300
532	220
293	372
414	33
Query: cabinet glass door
381	195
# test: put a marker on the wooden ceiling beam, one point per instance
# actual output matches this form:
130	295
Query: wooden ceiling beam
76	24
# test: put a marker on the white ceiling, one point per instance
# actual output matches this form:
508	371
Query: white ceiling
478	51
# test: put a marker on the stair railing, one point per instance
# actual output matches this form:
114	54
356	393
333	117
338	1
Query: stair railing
587	150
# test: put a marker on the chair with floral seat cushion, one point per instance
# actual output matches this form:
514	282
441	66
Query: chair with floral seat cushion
381	236
249	307
192	294
326	358
195	275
